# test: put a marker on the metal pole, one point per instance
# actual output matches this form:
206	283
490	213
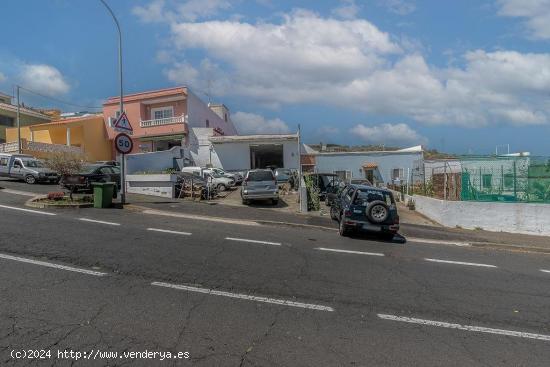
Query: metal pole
121	104
300	166
18	124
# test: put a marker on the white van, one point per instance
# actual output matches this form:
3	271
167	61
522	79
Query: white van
220	182
27	168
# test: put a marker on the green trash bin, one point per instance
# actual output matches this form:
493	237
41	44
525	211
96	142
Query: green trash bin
103	194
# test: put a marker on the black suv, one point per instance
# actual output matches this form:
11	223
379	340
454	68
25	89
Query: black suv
365	208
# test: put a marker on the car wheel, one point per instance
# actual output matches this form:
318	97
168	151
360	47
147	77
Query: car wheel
246	202
274	201
30	179
378	211
343	229
221	187
333	214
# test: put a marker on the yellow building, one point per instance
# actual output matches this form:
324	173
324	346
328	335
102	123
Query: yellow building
86	135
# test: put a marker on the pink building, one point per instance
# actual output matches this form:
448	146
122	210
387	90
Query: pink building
161	119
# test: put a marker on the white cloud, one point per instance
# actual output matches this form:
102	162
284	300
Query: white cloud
2	77
162	11
250	123
347	10
352	64
391	134
400	7
153	12
535	12
44	78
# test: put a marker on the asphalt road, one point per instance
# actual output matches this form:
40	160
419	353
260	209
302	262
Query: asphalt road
240	295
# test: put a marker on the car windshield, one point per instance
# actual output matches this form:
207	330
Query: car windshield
88	169
33	163
260	176
364	197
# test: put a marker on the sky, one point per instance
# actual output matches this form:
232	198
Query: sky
458	76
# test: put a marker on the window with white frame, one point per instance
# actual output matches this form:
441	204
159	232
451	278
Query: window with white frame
159	113
397	173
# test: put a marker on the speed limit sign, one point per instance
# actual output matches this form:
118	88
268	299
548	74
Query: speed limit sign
123	143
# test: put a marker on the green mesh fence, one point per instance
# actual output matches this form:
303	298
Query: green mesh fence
524	179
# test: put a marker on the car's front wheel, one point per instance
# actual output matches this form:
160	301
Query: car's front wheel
30	179
221	187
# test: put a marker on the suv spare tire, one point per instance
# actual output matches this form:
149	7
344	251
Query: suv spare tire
378	211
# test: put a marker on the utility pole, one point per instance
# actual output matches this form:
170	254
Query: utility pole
18	123
121	105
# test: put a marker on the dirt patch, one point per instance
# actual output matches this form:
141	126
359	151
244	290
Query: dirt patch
65	202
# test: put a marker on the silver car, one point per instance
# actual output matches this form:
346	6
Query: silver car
260	184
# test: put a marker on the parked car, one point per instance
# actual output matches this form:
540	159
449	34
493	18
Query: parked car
282	175
221	183
260	184
89	174
108	163
27	168
236	176
365	208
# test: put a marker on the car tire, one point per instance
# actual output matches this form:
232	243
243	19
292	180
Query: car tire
333	214
274	201
246	202
221	188
343	230
378	211
30	179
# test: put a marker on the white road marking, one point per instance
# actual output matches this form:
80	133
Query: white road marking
18	192
52	265
545	271
480	329
26	210
168	231
438	242
252	241
245	297
460	263
350	252
99	221
201	217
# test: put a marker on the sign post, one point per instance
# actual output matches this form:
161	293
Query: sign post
123	145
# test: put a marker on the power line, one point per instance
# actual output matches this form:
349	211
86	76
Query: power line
58	100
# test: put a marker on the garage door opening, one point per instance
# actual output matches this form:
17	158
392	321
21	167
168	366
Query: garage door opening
266	155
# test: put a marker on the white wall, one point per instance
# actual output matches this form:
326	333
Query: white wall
353	162
198	112
491	216
154	161
236	156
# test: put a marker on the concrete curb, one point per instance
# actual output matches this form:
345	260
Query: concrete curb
33	204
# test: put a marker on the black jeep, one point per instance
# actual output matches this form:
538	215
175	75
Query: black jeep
365	208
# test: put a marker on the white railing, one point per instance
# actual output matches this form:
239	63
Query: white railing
50	148
33	146
10	147
161	122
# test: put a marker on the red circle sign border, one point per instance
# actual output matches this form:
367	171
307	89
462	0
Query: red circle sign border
129	139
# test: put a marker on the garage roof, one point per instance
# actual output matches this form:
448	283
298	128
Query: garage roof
253	138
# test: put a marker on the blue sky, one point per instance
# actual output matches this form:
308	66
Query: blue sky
460	76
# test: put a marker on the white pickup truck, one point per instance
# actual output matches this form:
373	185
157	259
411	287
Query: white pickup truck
27	168
221	183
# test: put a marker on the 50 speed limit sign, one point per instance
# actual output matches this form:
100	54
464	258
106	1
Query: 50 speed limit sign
123	143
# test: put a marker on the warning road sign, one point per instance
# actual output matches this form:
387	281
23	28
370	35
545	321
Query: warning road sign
123	143
123	124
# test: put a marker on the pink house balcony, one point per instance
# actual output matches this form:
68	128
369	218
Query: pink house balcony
164	121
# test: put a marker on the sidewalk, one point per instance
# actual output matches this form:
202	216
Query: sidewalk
475	238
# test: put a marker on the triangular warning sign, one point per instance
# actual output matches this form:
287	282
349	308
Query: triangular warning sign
122	123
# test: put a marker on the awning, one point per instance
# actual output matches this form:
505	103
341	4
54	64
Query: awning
369	165
162	138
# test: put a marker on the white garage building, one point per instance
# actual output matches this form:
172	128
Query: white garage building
244	152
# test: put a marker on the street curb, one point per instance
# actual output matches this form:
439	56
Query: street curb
33	204
514	248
